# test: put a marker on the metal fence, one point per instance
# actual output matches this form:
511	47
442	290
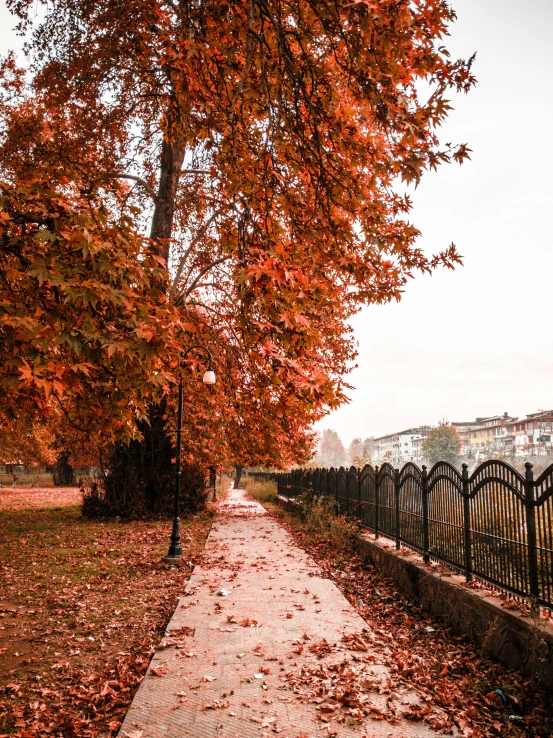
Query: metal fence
494	524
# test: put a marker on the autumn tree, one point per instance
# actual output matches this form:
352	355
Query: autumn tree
283	437
77	314
26	443
442	444
355	450
362	459
331	449
369	446
262	142
46	441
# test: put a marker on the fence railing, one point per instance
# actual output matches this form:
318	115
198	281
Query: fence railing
494	524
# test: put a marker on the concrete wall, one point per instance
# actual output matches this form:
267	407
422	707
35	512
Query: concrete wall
522	643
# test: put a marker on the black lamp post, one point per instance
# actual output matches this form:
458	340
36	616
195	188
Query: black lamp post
175	551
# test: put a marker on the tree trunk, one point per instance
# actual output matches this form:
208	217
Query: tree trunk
140	479
172	158
141	474
238	475
62	472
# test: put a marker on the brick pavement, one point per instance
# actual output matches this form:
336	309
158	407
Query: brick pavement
255	648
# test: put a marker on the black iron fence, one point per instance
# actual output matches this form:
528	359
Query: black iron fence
494	524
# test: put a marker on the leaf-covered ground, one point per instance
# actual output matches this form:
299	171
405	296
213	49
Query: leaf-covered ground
480	696
82	605
26	498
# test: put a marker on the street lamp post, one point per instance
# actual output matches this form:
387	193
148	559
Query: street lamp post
175	550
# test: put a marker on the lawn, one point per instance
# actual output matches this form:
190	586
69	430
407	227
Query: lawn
83	604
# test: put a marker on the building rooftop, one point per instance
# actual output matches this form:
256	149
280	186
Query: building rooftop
418	429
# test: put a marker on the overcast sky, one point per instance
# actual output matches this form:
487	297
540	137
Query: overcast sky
477	341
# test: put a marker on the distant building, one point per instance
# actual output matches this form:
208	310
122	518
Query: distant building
386	448
530	436
418	453
495	435
399	448
464	429
489	436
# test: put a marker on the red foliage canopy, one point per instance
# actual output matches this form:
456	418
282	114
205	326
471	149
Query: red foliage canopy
264	140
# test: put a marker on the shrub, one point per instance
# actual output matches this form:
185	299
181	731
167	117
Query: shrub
111	495
95	504
319	516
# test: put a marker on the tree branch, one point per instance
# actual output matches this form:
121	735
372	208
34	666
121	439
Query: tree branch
201	274
68	417
140	181
182	261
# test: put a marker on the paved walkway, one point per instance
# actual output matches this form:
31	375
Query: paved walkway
260	644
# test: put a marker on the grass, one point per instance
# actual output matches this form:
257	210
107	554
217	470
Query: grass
223	487
262	491
82	606
27	479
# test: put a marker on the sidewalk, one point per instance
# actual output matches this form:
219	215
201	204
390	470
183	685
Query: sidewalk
261	645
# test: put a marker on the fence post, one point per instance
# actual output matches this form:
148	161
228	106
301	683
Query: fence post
396	501
466	524
425	530
359	510
376	500
531	532
347	492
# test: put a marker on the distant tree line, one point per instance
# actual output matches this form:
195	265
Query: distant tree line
332	451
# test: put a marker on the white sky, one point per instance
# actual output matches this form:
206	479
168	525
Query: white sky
477	341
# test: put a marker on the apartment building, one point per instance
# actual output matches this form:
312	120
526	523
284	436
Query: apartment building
489	435
417	444
463	429
399	448
531	435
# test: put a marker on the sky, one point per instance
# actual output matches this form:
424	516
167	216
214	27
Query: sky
477	341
